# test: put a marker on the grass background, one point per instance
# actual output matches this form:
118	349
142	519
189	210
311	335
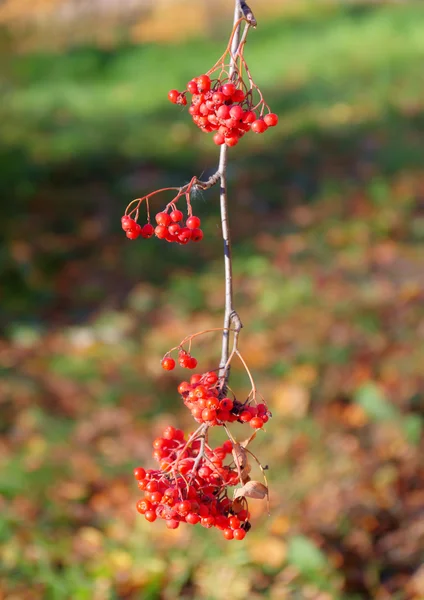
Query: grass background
328	221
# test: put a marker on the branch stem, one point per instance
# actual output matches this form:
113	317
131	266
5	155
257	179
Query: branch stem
230	313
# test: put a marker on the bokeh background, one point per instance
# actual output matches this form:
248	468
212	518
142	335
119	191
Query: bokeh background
327	212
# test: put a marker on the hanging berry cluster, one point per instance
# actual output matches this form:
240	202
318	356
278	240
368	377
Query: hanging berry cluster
193	480
229	105
170	223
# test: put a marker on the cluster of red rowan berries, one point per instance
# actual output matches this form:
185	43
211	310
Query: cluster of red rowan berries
223	108
178	494
202	396
170	227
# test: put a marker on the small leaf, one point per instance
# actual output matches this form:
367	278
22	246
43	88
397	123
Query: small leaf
242	463
252	489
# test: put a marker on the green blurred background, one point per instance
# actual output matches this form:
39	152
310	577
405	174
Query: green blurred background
327	212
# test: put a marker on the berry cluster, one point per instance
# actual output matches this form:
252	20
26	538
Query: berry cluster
223	107
202	396
178	494
170	227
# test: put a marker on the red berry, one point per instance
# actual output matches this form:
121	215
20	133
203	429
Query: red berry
176	215
249	116
133	234
228	534
234	523
127	223
236	112
239	534
228	89
173	96
238	96
161	231
168	363
259	126
156	497
139	473
203	83
245	416
174	229
163	218
219	139
226	404
193	222
147	231
150	515
196	235
192	87
169	432
172	524
232	140
218	98
208	414
191	363
228	446
192	518
207	522
271	119
184	235
143	506
256	423
223	112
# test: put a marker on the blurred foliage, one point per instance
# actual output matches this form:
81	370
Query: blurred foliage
328	220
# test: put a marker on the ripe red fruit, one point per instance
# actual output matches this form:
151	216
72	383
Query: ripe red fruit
172	524
271	119
226	404
249	116
173	96
133	234
143	506
174	229
236	112
196	235
161	231
239	534
192	518
150	515
147	231
184	235
238	96
218	98
163	218
234	523
203	83
192	87
228	534
191	363
168	363
176	216
256	423
259	126
245	416
228	89
223	112
127	223
193	222
219	139
139	473
169	432
231	141
208	414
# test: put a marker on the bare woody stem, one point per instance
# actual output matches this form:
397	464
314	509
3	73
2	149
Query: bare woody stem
231	315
